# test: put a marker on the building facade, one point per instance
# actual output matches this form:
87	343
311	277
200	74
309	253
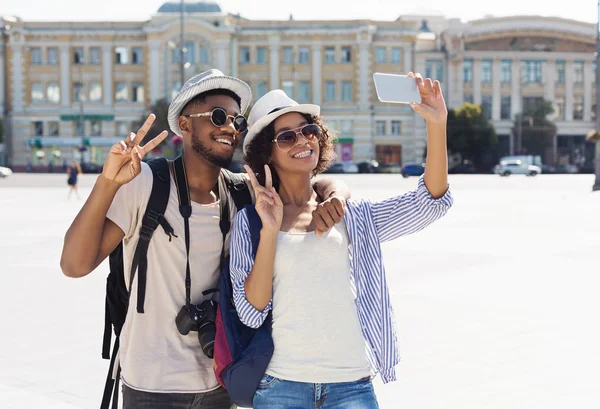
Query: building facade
72	89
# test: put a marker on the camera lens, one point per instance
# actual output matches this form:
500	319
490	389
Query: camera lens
206	337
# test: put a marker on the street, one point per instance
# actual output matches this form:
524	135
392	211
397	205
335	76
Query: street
496	304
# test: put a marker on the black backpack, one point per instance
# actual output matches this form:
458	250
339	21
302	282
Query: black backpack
117	296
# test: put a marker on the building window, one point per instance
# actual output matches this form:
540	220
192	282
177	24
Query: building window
396	127
505	107
137	55
396	57
380	55
329	55
52	55
121	56
202	55
122	128
578	107
261	89
95	56
532	103
53	128
176	55
36	56
96	128
468	98
121	92
505	71
433	69
533	72
468	70
137	92
189	52
486	106
346	127
95	92
78	55
78	92
560	72
244	55
330	91
559	108
594	68
175	87
578	72
38	128
303	91
486	71
346	91
288	55
346	54
380	127
79	128
288	88
261	55
53	93
303	55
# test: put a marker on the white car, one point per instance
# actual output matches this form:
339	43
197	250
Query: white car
516	167
5	172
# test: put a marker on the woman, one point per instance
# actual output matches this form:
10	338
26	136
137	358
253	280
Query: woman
73	171
333	325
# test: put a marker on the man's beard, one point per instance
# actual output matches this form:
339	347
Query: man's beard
210	156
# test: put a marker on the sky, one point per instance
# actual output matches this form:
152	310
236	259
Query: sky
139	10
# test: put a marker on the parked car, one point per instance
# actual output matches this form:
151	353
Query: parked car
390	168
370	166
465	167
413	169
517	167
5	172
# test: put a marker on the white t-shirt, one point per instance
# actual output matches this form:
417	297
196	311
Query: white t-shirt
153	355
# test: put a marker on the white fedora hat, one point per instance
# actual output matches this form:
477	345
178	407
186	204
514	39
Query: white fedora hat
270	107
206	81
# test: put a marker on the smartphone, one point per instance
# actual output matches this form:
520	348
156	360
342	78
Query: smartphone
398	89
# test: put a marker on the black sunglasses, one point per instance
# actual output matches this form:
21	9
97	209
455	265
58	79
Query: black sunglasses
219	117
286	140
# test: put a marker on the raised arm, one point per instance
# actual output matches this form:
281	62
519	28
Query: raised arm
92	237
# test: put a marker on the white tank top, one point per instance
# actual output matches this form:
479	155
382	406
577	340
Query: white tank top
316	330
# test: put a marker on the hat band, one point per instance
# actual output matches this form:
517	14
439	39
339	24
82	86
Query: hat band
279	109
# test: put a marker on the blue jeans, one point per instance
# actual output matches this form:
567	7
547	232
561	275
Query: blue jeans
273	393
217	399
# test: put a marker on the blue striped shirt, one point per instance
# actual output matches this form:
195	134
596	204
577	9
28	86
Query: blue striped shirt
369	224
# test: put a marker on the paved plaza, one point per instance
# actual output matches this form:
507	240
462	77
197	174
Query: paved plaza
497	304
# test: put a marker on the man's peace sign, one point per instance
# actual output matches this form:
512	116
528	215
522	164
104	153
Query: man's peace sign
124	158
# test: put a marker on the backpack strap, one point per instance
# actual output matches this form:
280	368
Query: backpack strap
236	184
255	224
154	216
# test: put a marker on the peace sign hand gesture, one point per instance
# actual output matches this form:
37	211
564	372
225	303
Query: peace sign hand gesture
124	158
268	203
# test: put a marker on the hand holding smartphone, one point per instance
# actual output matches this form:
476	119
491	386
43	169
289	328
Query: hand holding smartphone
397	89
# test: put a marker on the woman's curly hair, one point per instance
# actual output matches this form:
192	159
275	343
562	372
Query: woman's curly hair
261	148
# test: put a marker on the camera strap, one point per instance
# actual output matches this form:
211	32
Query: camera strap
185	208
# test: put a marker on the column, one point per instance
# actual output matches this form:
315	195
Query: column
515	88
107	75
477	82
65	76
220	52
364	79
274	63
588	83
569	91
235	54
549	79
408	61
154	71
317	75
496	89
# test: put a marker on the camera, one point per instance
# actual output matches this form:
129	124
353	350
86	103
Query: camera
200	318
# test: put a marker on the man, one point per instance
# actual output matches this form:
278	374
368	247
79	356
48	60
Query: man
160	368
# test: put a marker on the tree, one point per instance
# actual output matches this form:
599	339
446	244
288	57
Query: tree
471	134
537	132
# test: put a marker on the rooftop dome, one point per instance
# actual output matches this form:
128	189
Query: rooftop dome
190	7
